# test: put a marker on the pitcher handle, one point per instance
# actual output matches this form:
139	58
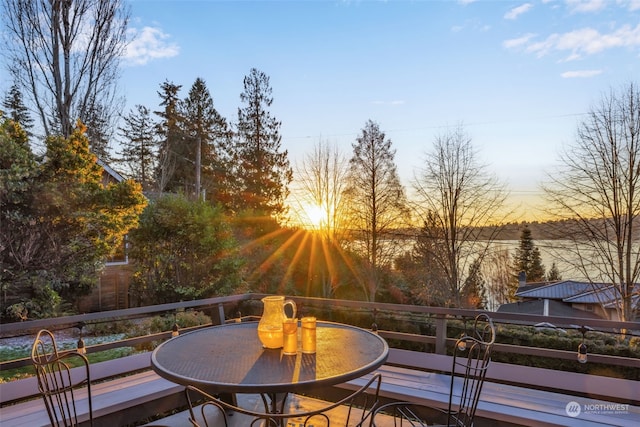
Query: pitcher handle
294	309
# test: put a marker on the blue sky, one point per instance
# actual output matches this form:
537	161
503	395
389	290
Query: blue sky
517	75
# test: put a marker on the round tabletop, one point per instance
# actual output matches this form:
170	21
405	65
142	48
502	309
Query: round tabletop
230	358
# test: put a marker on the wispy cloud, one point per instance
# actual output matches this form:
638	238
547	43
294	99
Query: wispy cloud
586	6
633	5
580	74
518	42
471	25
517	11
578	43
147	44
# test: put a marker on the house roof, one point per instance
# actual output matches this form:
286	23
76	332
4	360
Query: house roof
109	170
573	292
556	308
560	290
594	296
532	285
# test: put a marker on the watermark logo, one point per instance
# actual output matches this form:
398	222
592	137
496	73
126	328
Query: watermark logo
573	409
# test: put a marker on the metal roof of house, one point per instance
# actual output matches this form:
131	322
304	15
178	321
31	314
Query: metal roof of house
558	290
635	302
595	296
109	170
532	285
573	292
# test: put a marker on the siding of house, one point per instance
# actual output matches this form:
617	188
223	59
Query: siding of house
112	292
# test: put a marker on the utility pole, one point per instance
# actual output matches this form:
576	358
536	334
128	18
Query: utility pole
198	166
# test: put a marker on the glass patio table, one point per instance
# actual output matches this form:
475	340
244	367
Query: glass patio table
230	359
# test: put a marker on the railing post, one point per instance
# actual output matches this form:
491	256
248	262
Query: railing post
441	334
221	314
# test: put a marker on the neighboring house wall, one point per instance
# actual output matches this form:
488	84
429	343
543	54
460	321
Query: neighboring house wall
593	308
112	292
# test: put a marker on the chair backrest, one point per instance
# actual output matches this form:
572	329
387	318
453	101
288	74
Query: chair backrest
359	407
471	358
57	383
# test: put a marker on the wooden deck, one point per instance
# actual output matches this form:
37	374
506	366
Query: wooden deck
252	401
142	394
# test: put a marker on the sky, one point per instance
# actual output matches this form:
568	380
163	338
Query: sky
518	76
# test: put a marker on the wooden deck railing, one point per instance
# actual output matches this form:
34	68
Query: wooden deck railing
364	314
224	308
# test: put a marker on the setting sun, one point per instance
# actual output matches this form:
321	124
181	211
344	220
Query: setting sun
314	216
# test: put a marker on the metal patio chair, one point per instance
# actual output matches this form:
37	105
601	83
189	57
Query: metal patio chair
58	384
216	412
471	357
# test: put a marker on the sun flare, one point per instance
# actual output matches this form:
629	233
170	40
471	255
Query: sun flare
314	215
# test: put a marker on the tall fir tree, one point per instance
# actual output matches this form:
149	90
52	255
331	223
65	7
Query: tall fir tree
171	148
138	155
263	169
527	258
209	135
98	131
16	110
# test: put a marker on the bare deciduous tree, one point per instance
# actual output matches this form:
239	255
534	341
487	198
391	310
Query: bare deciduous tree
319	186
320	183
596	191
64	55
459	195
377	202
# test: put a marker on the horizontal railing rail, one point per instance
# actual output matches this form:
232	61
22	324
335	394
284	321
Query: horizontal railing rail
17	328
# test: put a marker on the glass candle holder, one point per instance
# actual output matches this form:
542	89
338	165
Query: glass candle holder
308	335
290	336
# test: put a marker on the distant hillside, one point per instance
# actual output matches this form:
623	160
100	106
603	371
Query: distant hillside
551	230
539	230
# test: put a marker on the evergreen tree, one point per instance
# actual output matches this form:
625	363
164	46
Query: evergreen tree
184	250
171	153
99	132
16	110
553	275
527	258
208	133
376	200
474	292
427	278
59	221
138	153
263	169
